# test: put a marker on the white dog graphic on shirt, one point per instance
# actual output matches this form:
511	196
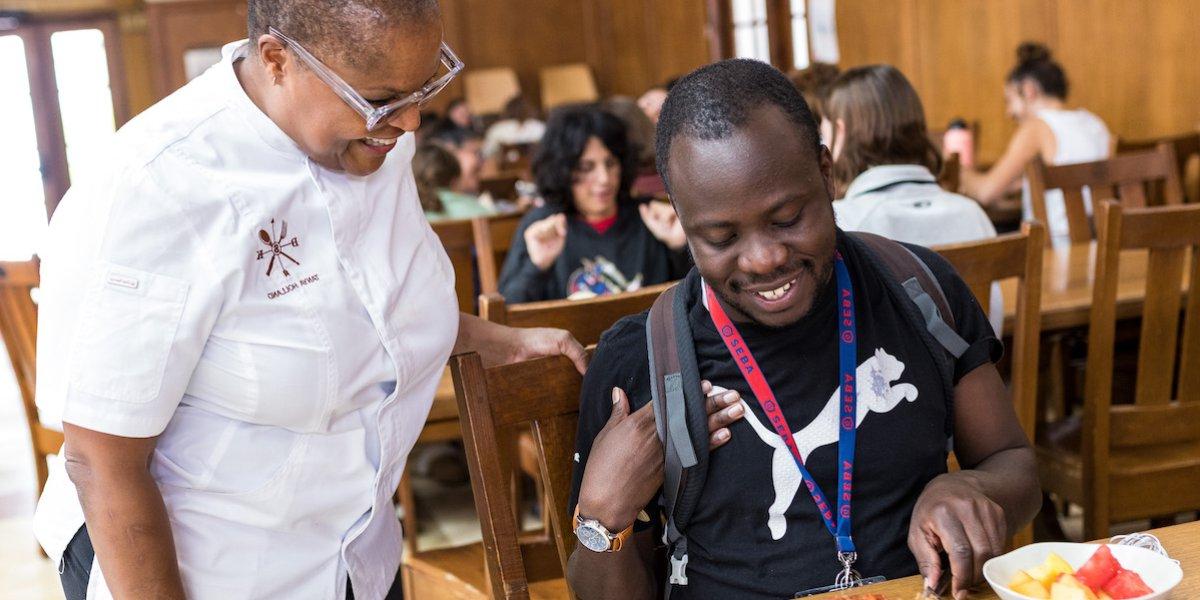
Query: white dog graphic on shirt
876	393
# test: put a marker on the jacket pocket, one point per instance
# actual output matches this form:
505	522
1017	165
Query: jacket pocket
125	334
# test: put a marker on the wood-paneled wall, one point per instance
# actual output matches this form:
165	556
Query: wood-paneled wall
631	45
1131	62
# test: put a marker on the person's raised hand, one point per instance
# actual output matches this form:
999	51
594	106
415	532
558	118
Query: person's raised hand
624	467
955	517
661	220
545	240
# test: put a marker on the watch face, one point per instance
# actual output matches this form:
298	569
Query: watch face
592	538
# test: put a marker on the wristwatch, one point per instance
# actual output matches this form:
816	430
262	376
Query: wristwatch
596	537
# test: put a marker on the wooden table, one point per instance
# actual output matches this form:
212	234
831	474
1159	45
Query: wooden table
1067	287
1181	541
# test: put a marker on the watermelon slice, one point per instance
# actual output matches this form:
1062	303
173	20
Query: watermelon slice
1126	584
1099	569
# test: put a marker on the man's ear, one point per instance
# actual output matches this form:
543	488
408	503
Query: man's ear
825	161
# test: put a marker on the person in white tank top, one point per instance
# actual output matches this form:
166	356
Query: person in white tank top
1035	93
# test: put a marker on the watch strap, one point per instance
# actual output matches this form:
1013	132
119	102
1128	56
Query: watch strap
615	541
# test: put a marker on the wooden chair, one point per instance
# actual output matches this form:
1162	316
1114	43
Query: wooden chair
1123	177
458	239
544	394
568	84
1187	150
516	157
18	327
501	187
585	319
951	174
488	90
1138	457
493	237
1016	255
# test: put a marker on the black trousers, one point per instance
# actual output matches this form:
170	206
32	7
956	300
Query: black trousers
76	570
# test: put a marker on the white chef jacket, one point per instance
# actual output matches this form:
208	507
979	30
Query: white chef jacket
281	328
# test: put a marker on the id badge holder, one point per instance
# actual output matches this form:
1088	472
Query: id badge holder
839	587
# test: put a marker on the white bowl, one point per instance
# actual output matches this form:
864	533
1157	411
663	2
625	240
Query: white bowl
1160	573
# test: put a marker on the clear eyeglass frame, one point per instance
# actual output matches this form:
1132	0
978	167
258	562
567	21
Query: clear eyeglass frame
374	115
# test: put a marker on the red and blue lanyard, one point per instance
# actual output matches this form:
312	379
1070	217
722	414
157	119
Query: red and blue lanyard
847	411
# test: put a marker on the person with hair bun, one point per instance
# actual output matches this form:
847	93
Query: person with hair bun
1036	93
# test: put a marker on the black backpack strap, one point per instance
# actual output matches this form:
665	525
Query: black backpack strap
675	385
922	288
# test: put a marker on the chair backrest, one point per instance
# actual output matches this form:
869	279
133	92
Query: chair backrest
18	327
1187	151
1019	256
568	84
458	240
488	90
544	394
516	157
951	173
493	237
585	319
1122	177
501	187
1165	409
1166	403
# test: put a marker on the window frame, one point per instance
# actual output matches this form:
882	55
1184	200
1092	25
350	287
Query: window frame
35	32
779	32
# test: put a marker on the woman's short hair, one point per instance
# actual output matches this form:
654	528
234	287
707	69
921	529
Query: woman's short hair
567	133
1034	62
434	168
338	29
884	123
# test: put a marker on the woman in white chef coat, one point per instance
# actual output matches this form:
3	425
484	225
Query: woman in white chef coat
243	321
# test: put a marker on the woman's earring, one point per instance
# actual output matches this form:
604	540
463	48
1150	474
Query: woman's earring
275	80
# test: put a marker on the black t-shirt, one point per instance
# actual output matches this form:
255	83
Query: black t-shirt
591	262
738	545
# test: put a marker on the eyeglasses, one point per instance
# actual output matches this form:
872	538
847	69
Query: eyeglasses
373	114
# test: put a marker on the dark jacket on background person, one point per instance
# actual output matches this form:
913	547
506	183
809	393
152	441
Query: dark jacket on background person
626	256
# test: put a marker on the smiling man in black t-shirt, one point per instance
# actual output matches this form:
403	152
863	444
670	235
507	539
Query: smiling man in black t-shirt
740	154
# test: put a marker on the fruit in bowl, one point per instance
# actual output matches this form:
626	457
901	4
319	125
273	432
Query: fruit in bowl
1061	571
1101	578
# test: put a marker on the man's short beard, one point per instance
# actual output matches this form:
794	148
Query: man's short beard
822	278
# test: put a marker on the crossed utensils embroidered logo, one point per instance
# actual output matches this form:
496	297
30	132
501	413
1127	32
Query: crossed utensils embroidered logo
275	246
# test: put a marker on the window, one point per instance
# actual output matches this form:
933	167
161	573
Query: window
60	107
23	216
750	33
774	31
799	27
